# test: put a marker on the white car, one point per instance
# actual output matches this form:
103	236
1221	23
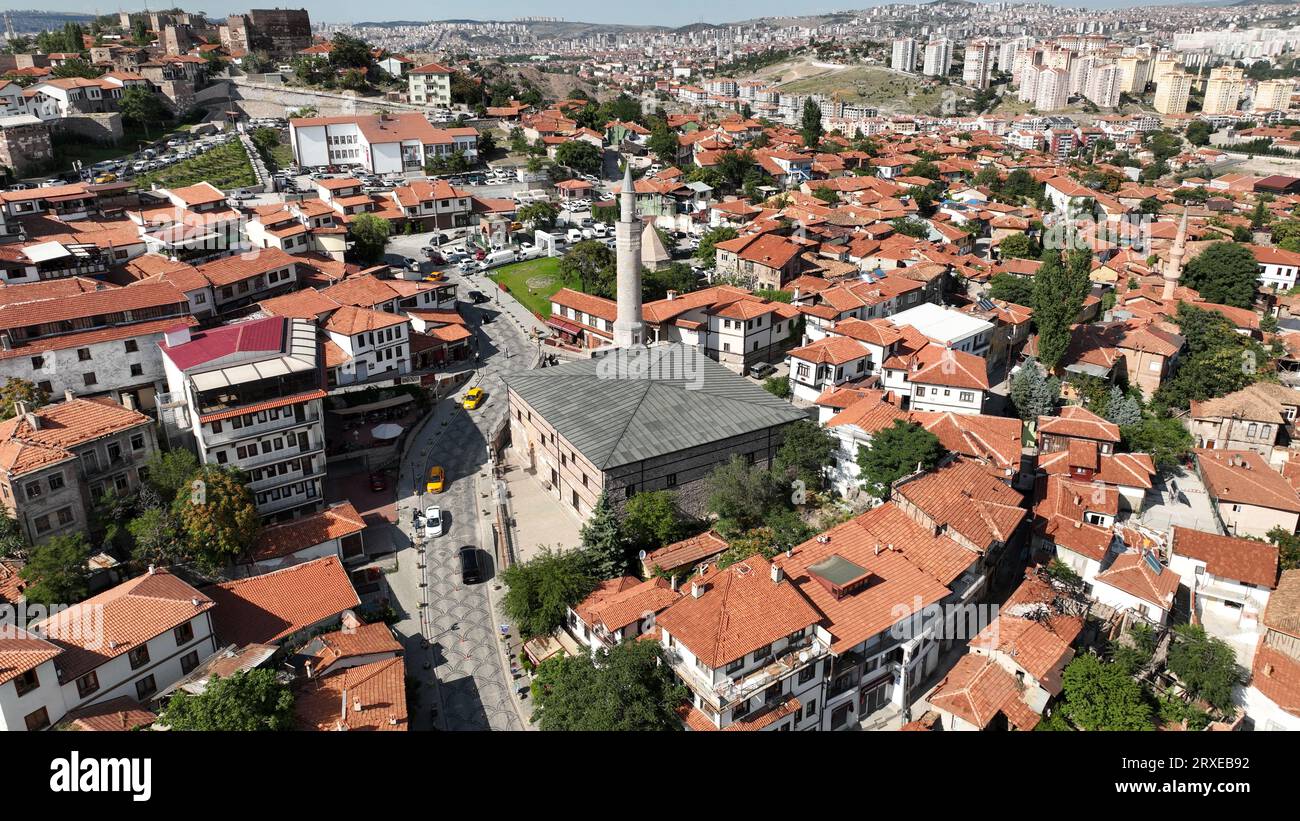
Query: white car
432	522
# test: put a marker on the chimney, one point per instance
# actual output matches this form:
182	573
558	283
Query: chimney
672	295
128	401
68	395
697	590
177	336
674	583
795	297
344	715
152	568
307	666
778	574
356	706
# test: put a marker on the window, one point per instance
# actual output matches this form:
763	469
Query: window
38	720
33	490
137	370
42	524
83	354
139	656
65	516
56	482
89	378
763	653
145	687
26	682
735	665
137	442
806	674
189	661
967	396
87	684
671	480
38	362
132	346
920	391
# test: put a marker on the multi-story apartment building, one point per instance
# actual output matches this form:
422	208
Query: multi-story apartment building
365	344
938	58
249	394
978	65
1272	95
59	459
429	85
1134	73
81	336
904	55
1103	84
1223	90
1172	90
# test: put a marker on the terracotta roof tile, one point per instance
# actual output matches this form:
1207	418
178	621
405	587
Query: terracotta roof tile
272	606
376	695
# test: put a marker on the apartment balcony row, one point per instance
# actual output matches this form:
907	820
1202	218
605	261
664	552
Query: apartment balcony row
290	501
792	659
312	472
230	435
284	454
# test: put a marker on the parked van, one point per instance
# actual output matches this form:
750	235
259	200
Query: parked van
574	235
497	258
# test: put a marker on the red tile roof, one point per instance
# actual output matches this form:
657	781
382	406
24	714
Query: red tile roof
740	610
1243	477
376	699
977	689
273	606
62	426
1228	557
687	551
1131	573
131	614
21	651
205	347
334	522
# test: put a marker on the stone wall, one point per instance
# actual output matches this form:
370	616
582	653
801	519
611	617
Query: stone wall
100	128
26	148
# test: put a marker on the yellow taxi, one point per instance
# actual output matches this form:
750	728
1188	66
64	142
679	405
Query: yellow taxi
436	276
103	178
437	480
473	398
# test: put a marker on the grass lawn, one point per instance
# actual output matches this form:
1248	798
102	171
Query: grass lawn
546	278
225	166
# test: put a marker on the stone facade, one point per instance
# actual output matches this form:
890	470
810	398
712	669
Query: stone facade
280	32
25	145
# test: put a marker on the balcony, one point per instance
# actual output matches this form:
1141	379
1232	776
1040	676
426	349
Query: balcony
286	479
792	658
229	435
288	502
277	456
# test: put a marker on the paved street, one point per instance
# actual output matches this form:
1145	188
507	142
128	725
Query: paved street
473	689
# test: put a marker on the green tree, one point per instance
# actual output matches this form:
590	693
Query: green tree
811	124
806	452
1225	273
1219	360
589	266
56	571
1032	393
1198	132
895	452
347	51
1122	408
1017	246
778	386
1012	288
76	67
1205	665
540	215
1100	696
741	495
247	701
168	473
217	517
579	155
370	237
627	688
707	253
140	107
652	520
663	144
13	544
540	590
1150	205
16	389
911	227
1059	290
156	538
1288	547
602	541
1163	437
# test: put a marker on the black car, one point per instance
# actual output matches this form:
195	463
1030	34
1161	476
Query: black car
478	297
470	571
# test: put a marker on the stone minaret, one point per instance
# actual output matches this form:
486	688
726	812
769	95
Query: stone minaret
1174	268
629	329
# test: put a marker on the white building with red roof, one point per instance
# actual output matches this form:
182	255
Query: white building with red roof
1272	698
429	84
379	143
250	396
1230	579
1137	581
128	642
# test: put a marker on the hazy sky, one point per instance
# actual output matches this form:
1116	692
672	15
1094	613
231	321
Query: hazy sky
655	12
